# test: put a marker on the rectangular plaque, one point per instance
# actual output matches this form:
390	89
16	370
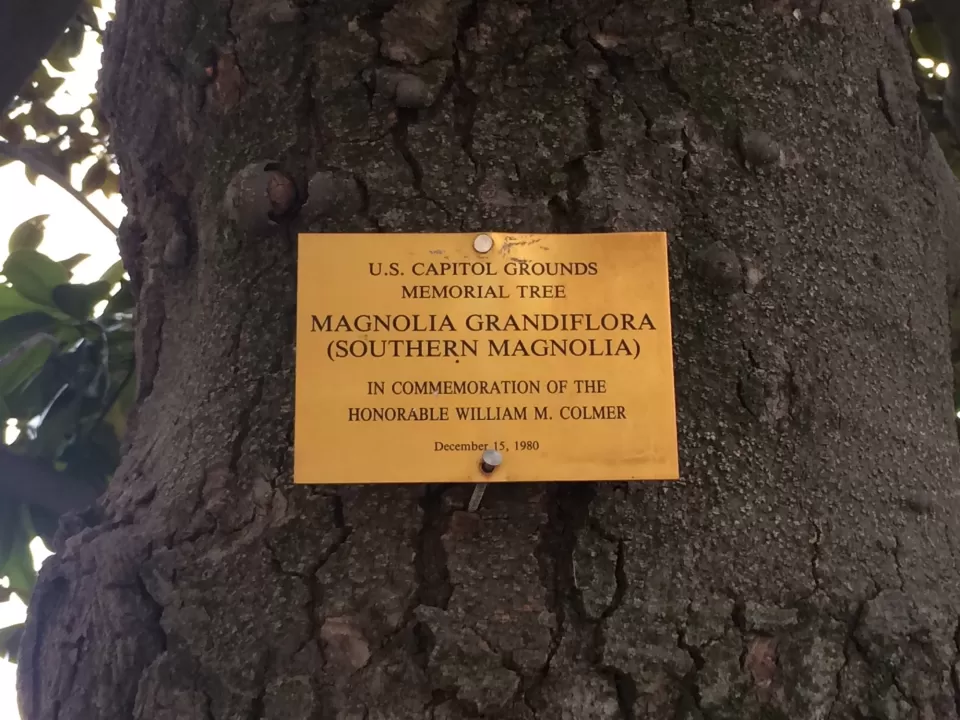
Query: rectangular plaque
417	352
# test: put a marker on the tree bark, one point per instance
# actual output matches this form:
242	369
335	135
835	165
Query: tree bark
806	564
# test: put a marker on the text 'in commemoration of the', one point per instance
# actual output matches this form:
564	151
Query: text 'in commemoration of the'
418	352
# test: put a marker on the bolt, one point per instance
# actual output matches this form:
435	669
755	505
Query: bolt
483	244
490	461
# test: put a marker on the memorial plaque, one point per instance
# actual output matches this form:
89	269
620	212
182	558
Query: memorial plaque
418	352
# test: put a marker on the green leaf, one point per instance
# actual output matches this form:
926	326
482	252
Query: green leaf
95	177
122	301
927	41
12	131
78	300
111	185
46	84
46	523
67	47
16	561
29	234
58	424
20	571
13	303
88	16
29	400
117	416
43	119
9	528
17	328
71	262
34	275
18	370
114	273
10	641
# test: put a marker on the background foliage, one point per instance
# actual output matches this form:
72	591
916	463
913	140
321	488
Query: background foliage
60	141
66	365
66	348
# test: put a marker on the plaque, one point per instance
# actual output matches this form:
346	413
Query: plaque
418	353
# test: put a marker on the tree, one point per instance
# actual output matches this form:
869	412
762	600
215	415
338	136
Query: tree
804	567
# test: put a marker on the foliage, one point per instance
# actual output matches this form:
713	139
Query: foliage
929	50
61	141
66	361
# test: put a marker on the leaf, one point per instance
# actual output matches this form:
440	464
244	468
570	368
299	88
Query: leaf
43	83
88	16
13	303
111	186
927	41
18	568
45	522
78	300
29	400
117	416
17	328
114	274
29	234
122	301
16	561
95	177
58	422
43	119
12	131
18	370
10	641
81	144
34	275
9	527
66	48
71	262
20	571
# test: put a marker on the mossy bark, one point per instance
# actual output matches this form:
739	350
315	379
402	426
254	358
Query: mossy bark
806	564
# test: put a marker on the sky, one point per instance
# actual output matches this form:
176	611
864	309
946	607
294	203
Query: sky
70	229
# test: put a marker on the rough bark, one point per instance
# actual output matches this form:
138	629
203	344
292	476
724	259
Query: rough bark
806	564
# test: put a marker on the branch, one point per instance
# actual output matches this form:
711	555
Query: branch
34	483
37	165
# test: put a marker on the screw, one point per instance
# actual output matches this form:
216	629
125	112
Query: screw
483	243
490	460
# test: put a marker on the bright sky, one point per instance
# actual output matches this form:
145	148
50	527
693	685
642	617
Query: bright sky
71	229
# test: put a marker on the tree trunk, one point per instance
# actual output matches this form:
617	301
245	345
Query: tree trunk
806	565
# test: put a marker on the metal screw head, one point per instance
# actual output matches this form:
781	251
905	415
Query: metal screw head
483	243
491	458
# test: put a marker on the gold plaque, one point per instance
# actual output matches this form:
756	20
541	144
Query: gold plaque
418	352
